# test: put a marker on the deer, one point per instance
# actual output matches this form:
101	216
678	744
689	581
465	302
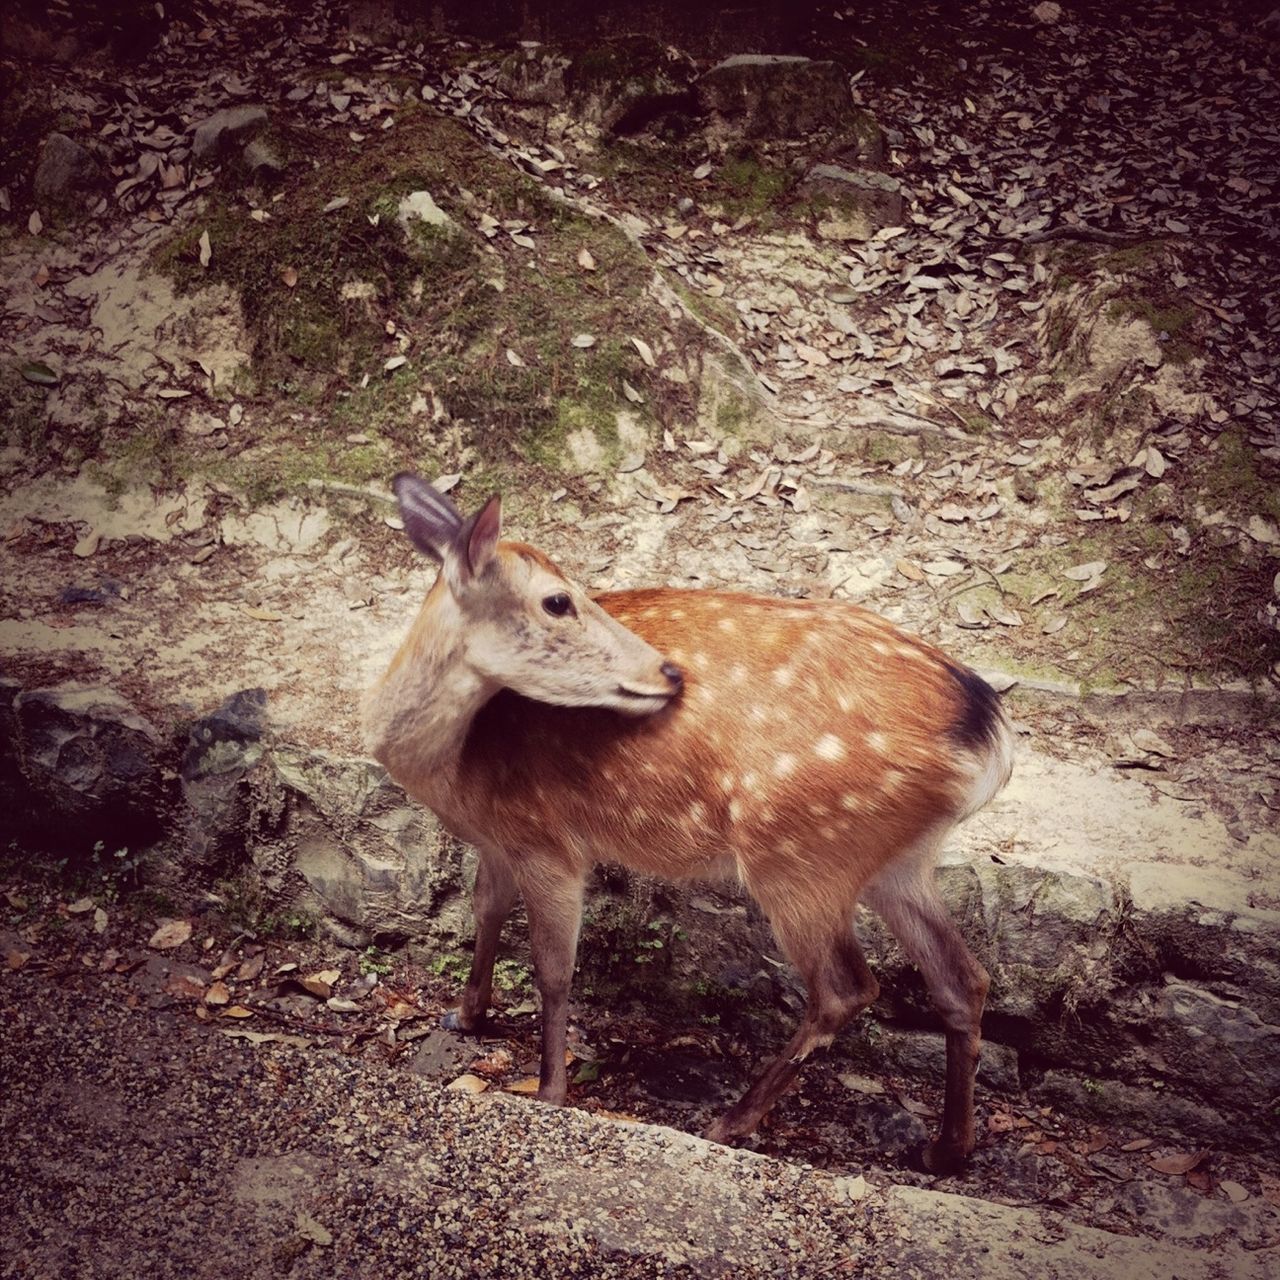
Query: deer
811	750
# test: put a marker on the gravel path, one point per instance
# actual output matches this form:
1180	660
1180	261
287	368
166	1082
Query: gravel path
140	1142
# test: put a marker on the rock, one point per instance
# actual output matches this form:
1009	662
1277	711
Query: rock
92	769
262	161
891	1129
852	204
418	206
923	1054
534	75
623	85
64	169
760	96
374	864
225	129
222	813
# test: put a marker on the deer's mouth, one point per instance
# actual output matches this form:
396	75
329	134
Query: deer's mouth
639	699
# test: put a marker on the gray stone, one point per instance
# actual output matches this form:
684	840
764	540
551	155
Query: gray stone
226	129
379	866
262	161
534	75
923	1054
222	751
624	84
757	96
64	168
92	768
852	204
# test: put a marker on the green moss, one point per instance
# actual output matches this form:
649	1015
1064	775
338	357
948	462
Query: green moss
748	184
1233	480
1170	320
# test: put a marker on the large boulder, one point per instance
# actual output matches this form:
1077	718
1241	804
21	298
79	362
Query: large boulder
90	767
65	169
625	84
852	204
227	129
775	96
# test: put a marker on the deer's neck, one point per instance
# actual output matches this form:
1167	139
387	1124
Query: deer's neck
418	717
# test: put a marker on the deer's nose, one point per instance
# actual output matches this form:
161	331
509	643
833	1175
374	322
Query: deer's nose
675	677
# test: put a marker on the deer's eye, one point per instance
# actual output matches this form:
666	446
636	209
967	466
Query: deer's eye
559	605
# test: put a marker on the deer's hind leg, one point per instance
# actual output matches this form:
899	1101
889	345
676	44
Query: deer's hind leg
905	898
839	984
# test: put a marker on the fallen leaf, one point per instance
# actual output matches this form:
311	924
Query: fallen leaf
80	906
99	920
251	968
1083	572
1178	1164
1138	1144
38	372
237	1011
218	993
170	934
309	1229
395	362
35	223
1235	1192
261	615
16	959
703	170
585	260
514	360
206	249
529	1085
910	570
645	350
631	393
184	987
944	568
266	1037
289	277
467	1083
338	202
320	984
583	340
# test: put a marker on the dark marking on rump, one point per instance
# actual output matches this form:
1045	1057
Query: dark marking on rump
979	716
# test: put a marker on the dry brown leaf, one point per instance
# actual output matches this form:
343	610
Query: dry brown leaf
1177	1164
170	934
251	968
910	570
585	260
218	993
528	1085
289	277
262	615
1138	1144
467	1083
16	959
1235	1192
645	350
184	987
237	1011
206	249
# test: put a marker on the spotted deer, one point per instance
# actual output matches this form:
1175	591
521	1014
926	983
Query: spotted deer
810	749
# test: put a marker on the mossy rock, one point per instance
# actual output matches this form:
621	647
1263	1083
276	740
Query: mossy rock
775	97
625	84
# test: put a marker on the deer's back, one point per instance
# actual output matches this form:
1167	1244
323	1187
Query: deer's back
810	738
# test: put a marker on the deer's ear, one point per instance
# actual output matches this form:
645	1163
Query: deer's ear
430	519
478	538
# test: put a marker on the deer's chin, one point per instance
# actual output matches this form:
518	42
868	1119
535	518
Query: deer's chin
639	702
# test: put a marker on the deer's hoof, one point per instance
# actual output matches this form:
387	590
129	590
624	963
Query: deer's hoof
452	1021
939	1159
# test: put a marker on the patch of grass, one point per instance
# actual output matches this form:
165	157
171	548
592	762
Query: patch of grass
455	306
624	954
1233	479
748	184
1172	322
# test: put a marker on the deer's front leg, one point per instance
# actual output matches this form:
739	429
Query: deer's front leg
552	896
494	897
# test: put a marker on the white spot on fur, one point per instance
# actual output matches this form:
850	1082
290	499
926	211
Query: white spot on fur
785	765
851	801
735	810
829	747
727	782
738	674
727	624
696	814
881	649
877	742
784	676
